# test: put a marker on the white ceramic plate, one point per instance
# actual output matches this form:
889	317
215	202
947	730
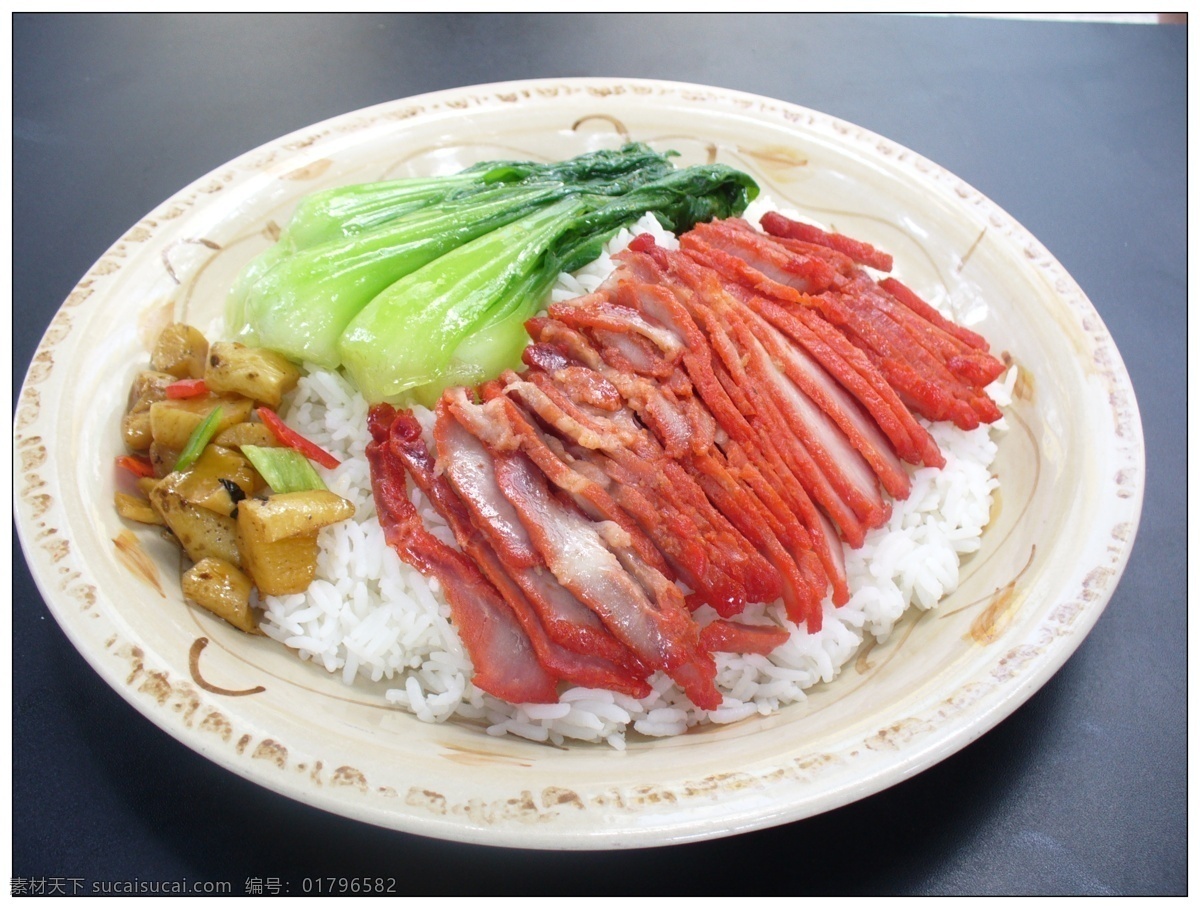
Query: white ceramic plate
1071	470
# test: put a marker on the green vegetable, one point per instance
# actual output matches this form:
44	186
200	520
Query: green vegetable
235	303
346	211
198	440
302	303
414	284
283	469
410	333
343	246
406	334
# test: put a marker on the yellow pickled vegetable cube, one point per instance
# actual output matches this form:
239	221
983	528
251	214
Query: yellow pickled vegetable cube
293	514
201	483
223	590
280	567
135	508
148	387
262	375
136	431
201	533
181	351
172	422
247	434
163	458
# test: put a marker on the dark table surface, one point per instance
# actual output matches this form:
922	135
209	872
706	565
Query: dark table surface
1079	130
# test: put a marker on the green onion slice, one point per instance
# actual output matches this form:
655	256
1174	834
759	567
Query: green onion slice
199	438
284	469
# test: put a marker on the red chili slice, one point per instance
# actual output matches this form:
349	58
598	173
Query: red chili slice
292	439
186	388
139	467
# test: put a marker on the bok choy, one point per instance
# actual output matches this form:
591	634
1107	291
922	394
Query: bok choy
302	304
410	335
418	283
350	210
343	246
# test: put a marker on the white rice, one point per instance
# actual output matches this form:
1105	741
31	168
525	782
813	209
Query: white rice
370	616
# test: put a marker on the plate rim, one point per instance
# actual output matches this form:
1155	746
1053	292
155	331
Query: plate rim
42	562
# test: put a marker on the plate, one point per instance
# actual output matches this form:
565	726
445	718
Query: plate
1071	468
